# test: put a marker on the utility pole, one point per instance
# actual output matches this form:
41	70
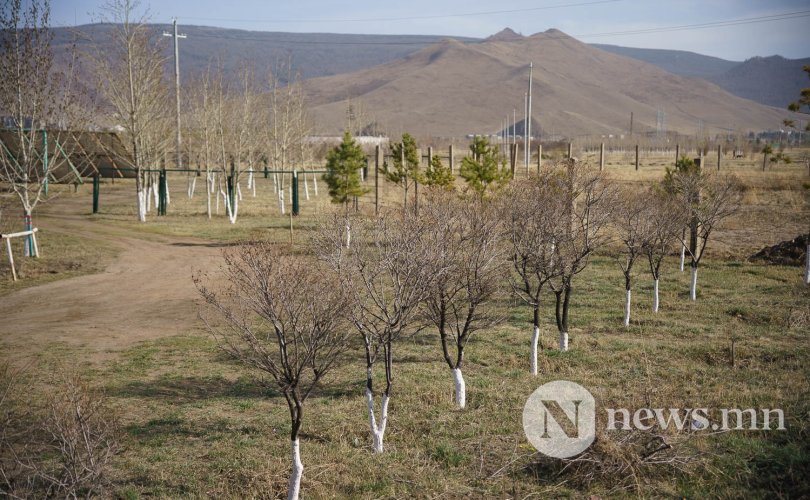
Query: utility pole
528	143
177	89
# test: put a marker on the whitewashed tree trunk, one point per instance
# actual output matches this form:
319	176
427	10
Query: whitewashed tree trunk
564	341
275	183
655	295
168	195
239	191
693	285
533	359
281	200
377	430
683	255
142	197
306	187
461	388
155	192
209	188
348	236
315	183
627	308
807	266
234	209
294	488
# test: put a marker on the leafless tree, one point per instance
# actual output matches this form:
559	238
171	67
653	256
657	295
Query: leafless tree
283	316
41	101
587	202
667	220
705	200
532	217
384	275
130	73
467	261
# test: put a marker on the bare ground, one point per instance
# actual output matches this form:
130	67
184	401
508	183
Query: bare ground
146	292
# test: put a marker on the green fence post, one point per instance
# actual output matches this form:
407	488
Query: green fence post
295	207
230	190
162	193
266	173
96	188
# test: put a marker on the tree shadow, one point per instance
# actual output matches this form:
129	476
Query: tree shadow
181	390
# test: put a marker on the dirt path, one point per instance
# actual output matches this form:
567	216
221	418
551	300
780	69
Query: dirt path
146	292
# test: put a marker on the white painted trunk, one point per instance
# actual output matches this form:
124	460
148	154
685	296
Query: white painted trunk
461	388
315	183
564	341
627	309
142	205
533	359
807	266
306	187
683	255
294	487
239	191
209	187
275	183
155	193
234	210
192	184
281	200
693	285
250	179
348	236
377	430
148	197
168	194
655	296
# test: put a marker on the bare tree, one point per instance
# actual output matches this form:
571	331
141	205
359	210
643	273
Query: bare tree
587	203
283	316
667	220
466	259
131	79
705	201
41	101
532	217
384	275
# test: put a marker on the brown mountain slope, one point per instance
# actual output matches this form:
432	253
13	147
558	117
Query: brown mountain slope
454	89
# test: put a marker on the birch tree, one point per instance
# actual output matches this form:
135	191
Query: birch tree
281	315
130	74
384	276
467	261
41	101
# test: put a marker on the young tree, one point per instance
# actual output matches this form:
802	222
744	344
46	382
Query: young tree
485	171
666	220
804	101
343	164
532	218
438	175
41	101
385	278
404	168
466	259
131	79
705	201
588	201
281	315
767	150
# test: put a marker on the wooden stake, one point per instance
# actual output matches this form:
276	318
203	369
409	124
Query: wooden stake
719	155
450	153
11	259
377	179
636	156
602	156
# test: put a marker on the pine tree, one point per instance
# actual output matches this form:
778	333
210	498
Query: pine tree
438	175
403	173
343	164
485	172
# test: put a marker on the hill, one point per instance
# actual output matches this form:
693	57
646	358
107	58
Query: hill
679	62
454	89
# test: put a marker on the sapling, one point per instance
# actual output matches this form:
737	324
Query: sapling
466	260
282	315
384	275
634	228
666	221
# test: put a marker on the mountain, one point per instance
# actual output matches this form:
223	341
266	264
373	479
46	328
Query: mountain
773	80
454	89
679	62
311	54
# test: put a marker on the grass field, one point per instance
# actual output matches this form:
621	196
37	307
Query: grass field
194	423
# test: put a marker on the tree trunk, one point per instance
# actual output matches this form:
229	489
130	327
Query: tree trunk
564	341
807	264
294	487
535	339
627	308
693	285
655	296
377	431
209	187
461	388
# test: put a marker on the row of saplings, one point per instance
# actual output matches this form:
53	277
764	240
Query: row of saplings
293	316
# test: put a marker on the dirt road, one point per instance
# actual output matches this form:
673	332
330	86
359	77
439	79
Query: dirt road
146	292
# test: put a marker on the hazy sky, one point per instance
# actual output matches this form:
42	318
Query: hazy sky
752	27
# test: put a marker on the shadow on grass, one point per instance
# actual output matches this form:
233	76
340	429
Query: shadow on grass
223	244
181	390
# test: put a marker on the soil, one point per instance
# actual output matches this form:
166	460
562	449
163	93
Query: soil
146	292
786	253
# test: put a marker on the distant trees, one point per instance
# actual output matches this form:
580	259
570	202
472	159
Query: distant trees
485	171
283	316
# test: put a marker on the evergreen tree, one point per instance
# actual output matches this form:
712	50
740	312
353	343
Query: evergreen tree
403	173
438	175
486	171
343	164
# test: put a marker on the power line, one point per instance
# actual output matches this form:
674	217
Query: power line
409	18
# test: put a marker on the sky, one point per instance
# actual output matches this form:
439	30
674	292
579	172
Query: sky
730	29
